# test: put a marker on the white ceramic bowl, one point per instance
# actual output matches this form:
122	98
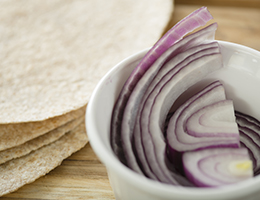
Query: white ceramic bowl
241	77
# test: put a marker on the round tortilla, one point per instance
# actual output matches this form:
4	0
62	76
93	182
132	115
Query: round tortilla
53	52
18	172
13	135
36	143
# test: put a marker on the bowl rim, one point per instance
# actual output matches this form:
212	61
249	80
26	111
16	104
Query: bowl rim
160	189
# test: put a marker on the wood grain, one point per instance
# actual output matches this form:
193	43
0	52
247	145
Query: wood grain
230	3
83	176
235	24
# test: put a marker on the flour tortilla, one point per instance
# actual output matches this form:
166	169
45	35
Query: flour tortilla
38	142
18	172
53	52
12	135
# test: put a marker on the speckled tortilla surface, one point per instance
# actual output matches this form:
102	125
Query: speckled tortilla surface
38	142
54	52
12	135
18	172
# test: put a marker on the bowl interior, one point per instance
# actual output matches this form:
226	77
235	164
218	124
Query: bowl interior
240	76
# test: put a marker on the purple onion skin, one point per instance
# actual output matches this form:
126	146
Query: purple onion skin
196	19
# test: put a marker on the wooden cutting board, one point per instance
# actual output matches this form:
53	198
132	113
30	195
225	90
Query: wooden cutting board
82	175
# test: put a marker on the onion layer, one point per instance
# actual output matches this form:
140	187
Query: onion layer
217	167
178	137
196	19
249	129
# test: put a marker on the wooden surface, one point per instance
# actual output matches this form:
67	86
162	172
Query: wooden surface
82	176
235	24
231	3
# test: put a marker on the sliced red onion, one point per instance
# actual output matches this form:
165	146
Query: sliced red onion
169	66
246	137
251	155
181	59
217	167
249	129
159	103
215	120
178	52
196	19
205	121
177	137
185	58
248	120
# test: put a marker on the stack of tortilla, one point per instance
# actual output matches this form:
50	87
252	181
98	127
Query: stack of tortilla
52	54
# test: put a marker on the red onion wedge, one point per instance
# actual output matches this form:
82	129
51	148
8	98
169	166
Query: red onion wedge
179	140
217	167
183	58
187	49
246	139
196	19
188	55
215	120
249	129
242	145
159	102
